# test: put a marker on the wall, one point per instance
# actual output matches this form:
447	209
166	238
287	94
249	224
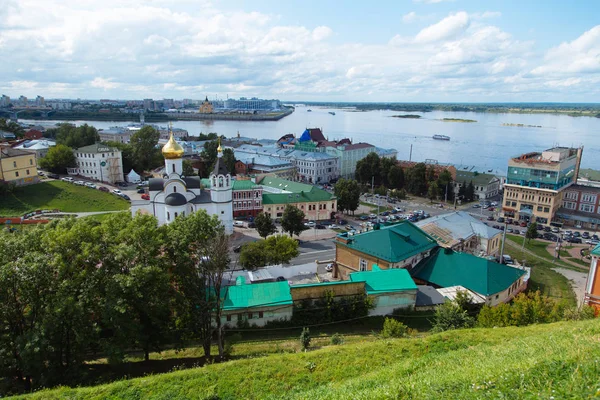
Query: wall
318	291
253	315
26	167
508	294
385	303
592	286
310	209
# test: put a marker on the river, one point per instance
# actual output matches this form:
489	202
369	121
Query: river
486	143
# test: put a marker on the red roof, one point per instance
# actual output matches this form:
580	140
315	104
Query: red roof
33	134
316	134
356	146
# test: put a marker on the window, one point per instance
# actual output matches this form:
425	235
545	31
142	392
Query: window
546	209
31	161
539	208
168	216
229	318
260	314
16	173
175	215
586	208
173	167
174	189
249	315
363	264
14	164
589	198
27	171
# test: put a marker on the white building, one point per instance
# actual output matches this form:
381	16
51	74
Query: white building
177	195
98	162
39	147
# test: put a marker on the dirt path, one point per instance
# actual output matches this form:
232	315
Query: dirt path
573	252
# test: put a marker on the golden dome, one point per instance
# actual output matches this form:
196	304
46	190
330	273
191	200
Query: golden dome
219	149
172	149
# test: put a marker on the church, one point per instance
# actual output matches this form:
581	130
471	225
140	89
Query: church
176	195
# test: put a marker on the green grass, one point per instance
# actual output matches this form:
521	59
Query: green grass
541	361
60	195
583	263
540	249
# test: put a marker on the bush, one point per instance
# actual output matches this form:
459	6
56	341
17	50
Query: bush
451	316
393	329
305	338
337	339
230	341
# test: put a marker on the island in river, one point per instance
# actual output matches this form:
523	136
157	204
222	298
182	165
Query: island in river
457	120
407	116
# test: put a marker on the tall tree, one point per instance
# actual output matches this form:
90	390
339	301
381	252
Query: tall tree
188	169
347	192
76	137
58	159
531	231
432	191
416	179
445	186
369	168
126	154
264	225
470	191
229	160
396	177
462	190
292	220
143	143
385	165
209	155
278	249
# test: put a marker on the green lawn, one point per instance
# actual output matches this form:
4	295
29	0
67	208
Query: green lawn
583	263
540	248
60	195
541	361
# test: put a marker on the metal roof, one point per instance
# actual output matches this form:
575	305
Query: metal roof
448	229
449	268
392	243
257	295
596	250
96	148
384	281
428	296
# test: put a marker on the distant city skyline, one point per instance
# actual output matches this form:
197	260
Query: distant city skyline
409	51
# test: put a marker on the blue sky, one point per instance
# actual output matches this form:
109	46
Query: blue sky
403	50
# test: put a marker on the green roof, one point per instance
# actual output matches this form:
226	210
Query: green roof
96	148
392	243
243	185
590	174
385	281
447	268
257	295
596	250
284	184
322	284
304	197
478	180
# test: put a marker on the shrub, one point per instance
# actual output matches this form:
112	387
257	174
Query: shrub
305	338
337	339
578	314
230	341
393	329
451	316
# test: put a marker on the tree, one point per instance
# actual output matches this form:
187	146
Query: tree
531	231
264	225
432	191
451	316
274	250
305	338
209	155
292	220
58	159
385	165
369	168
229	160
76	137
444	183
11	127
470	192
143	143
347	192
396	177
416	182
188	170
462	190
126	154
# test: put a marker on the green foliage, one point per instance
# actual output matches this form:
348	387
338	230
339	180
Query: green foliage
336	339
531	308
76	137
470	192
416	179
202	137
229	160
11	127
145	154
58	159
531	231
330	309
380	190
347	192
433	191
277	249
126	155
368	169
449	316
291	220
264	225
305	339
396	177
393	329
188	170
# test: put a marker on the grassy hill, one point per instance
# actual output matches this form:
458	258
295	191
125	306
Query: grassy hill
557	361
67	197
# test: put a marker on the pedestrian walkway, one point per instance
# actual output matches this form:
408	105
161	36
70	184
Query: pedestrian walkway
574	252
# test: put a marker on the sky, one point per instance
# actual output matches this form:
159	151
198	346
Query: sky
368	51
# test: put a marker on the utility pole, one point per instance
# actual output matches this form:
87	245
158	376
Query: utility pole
503	240
410	155
446	197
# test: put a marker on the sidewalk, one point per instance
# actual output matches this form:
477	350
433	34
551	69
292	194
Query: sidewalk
574	253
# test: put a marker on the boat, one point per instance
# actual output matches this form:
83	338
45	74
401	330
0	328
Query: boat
331	112
441	137
309	110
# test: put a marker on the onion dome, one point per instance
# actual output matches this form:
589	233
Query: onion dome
175	199
172	149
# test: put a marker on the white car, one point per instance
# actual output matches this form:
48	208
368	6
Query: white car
117	192
67	179
310	224
333	226
80	183
90	185
238	223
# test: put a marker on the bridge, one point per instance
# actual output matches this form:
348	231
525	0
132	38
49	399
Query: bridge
13	112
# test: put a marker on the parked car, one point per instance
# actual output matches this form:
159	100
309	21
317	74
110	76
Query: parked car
280	279
329	267
124	196
90	185
251	225
103	189
517	232
237	249
501	220
310	224
384	214
476	206
555	230
585	235
141	191
372	216
53	176
238	223
145	196
121	184
547	229
349	227
320	226
117	192
523	224
333	226
67	179
80	183
507	259
490	218
595	237
509	230
574	240
576	234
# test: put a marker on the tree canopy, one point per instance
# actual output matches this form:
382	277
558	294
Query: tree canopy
292	220
264	225
74	137
347	192
58	159
143	144
277	249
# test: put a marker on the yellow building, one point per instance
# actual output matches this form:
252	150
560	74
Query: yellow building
206	107
18	166
536	181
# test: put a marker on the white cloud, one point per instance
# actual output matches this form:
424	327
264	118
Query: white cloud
410	17
448	27
102	83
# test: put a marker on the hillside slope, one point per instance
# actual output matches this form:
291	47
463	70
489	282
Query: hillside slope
557	361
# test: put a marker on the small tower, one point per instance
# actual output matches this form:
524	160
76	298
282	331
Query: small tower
221	192
172	151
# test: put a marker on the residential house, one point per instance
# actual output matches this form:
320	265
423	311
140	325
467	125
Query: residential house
18	167
592	286
460	231
485	185
317	204
33	134
400	245
7	136
248	164
498	283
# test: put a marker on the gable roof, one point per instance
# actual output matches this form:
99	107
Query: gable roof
448	229
257	295
96	148
449	268
7	152
392	243
384	281
477	179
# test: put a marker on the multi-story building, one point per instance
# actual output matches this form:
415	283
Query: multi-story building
536	182
250	164
98	162
580	206
23	101
17	166
253	104
4	101
40	102
60	105
349	154
246	195
123	134
485	185
317	204
149	104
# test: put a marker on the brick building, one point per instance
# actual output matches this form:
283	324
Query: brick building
580	206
